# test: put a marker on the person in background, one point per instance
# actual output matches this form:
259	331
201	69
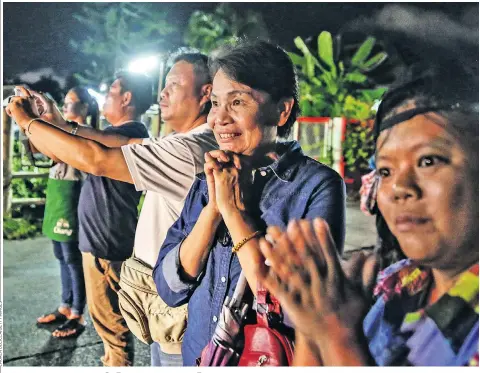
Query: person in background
425	307
164	167
60	224
107	211
252	181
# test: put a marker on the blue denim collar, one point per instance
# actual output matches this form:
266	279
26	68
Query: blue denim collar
283	167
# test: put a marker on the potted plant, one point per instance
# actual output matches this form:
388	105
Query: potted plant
333	92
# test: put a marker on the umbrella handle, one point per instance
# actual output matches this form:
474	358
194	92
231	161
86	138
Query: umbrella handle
239	290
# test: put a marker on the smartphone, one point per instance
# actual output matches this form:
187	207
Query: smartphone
36	107
18	92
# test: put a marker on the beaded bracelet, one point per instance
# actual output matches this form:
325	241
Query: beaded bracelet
237	247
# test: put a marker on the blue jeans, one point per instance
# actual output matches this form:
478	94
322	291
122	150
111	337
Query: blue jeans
161	359
71	274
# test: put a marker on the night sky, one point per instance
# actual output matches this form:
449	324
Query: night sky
36	35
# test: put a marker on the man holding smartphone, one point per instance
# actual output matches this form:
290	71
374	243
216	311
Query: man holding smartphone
165	167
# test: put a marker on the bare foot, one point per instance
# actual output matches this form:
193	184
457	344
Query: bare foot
72	327
61	314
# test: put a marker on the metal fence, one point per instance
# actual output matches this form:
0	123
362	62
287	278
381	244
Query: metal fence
9	175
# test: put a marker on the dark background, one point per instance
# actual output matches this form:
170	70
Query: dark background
36	35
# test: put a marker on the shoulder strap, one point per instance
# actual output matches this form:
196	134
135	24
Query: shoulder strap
268	307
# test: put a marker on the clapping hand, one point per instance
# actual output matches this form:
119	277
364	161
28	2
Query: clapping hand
320	294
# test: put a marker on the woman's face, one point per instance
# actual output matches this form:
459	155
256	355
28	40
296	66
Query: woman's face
242	118
73	107
427	194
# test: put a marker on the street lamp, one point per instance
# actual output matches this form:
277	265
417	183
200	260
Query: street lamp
148	64
143	64
100	98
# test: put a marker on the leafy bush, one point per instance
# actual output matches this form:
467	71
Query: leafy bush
24	221
331	87
358	146
26	188
20	228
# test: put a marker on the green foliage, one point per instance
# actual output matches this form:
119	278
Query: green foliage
140	203
118	32
358	146
26	188
24	221
19	228
207	31
334	88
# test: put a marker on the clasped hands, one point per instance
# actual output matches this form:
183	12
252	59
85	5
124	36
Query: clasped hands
225	177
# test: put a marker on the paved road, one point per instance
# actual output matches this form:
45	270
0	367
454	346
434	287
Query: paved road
32	287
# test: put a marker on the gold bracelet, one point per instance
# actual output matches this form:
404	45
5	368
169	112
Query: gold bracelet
237	247
27	127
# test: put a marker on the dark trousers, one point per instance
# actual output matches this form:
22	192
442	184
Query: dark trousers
71	274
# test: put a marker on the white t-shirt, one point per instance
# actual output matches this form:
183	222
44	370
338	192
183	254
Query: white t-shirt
166	169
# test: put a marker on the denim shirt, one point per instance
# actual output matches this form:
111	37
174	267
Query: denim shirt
295	187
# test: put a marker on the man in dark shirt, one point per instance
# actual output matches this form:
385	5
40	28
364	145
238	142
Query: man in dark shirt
107	215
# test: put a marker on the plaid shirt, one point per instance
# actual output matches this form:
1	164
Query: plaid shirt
401	330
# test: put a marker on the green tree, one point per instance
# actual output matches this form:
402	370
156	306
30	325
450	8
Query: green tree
332	87
207	31
118	32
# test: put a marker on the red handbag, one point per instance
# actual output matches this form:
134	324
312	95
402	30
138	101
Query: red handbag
264	344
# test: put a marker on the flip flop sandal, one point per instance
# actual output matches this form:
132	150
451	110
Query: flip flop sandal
59	317
71	324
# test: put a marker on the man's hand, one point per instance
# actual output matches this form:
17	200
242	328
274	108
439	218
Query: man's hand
21	109
48	111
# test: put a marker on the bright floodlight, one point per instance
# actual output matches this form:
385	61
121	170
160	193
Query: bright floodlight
143	64
103	87
97	96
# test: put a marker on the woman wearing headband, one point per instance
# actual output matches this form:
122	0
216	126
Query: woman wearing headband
425	307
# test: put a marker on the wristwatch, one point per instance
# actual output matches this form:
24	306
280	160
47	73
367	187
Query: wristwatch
74	127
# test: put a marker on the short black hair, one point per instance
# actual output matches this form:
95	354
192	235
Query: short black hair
200	69
141	87
262	66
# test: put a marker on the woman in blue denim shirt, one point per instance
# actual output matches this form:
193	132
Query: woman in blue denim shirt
253	181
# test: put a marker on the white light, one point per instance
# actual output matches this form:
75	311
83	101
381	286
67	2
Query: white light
97	96
143	64
103	87
376	104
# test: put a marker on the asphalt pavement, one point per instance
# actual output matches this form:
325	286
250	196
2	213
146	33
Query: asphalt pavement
31	287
